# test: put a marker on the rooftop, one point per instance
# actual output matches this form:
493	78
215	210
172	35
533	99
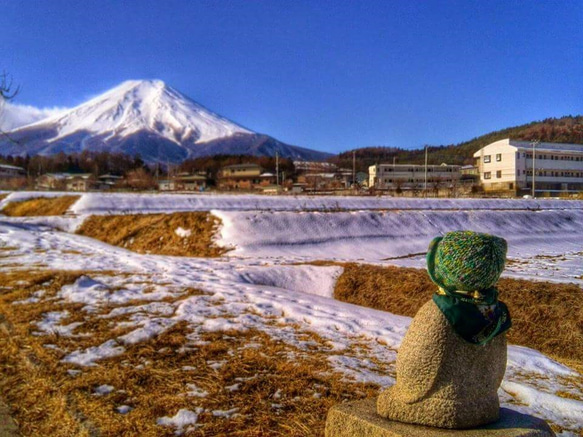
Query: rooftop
552	147
540	147
11	167
235	166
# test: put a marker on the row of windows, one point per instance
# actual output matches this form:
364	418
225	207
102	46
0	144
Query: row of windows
553	157
411	180
488	158
241	170
564	174
548	173
488	174
417	169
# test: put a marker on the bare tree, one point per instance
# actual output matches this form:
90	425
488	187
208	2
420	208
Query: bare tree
7	92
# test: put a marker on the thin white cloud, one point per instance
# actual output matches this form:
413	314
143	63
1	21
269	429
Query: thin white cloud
13	116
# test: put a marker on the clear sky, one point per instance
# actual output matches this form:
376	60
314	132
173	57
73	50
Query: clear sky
330	75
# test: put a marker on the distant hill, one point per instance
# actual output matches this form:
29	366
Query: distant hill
568	129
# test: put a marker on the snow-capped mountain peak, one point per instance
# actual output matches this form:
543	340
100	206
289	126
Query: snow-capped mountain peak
151	105
149	118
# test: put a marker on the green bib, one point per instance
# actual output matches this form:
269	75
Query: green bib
476	321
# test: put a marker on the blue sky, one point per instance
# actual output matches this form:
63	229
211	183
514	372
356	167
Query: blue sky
330	75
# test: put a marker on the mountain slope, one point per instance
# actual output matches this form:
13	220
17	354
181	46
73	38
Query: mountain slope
568	129
147	118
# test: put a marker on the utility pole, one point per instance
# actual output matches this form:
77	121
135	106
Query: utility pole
277	168
354	168
534	144
425	170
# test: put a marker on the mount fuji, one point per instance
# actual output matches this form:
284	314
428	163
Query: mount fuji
149	118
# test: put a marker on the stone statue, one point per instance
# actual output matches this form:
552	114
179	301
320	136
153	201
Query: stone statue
453	357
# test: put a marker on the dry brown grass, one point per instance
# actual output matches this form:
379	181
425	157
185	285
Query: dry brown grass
275	397
4	196
156	233
545	316
40	206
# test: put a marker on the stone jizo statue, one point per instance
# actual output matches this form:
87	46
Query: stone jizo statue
453	357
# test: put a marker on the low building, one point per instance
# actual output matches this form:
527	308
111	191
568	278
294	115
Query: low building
321	181
271	189
244	177
507	166
166	185
108	181
184	182
80	182
51	181
190	182
66	181
313	167
298	187
12	177
11	171
409	176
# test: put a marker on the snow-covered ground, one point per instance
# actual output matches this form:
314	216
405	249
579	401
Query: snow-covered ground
255	283
126	203
545	236
545	244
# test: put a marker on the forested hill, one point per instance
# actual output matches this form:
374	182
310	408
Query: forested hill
568	129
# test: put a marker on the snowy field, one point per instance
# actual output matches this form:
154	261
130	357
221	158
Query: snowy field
254	284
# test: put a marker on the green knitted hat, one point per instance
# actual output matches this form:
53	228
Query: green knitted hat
466	260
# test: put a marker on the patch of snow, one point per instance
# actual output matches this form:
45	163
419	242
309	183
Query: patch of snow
104	389
195	391
124	409
216	365
234	387
88	356
34	298
183	233
562	411
181	420
126	203
226	414
50	324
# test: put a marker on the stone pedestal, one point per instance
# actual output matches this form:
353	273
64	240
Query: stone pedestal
360	419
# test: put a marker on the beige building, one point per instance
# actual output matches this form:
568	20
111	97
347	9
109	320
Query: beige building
506	165
409	176
244	177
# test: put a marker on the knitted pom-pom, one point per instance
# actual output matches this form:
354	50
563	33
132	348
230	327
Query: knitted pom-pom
466	260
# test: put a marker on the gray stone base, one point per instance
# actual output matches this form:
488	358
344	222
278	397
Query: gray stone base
360	419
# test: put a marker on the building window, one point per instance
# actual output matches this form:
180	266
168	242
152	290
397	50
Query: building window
498	174
498	157
487	175
486	158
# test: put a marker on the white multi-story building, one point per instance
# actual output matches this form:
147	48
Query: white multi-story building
391	176
506	165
